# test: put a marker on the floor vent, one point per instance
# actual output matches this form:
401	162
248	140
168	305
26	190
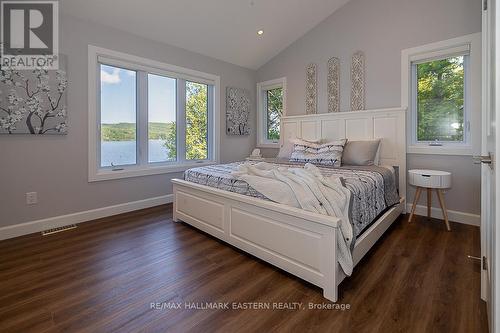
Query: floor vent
59	229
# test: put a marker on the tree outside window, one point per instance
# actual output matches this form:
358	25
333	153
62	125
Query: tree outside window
196	124
274	112
440	100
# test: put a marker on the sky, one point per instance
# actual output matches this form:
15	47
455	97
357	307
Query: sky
118	96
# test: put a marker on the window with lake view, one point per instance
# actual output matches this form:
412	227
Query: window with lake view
162	133
118	116
152	118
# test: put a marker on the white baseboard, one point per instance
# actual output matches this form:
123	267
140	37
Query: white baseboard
26	228
453	215
21	229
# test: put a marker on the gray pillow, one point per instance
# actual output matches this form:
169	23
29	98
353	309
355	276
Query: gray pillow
286	150
360	152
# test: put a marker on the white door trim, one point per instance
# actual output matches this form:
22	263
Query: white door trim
496	234
490	182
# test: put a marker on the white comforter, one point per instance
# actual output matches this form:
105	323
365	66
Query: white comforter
308	189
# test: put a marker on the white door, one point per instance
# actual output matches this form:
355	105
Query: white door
490	99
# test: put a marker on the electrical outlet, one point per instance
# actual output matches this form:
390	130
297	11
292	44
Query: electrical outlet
31	198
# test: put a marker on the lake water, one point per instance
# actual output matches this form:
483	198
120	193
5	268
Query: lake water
124	152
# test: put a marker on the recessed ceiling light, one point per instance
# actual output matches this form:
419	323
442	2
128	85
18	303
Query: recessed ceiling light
260	32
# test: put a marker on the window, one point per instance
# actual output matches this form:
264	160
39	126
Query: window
439	93
118	116
147	117
440	97
274	111
271	98
162	119
196	121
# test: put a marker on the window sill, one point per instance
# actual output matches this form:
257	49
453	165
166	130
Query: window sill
135	171
268	145
440	150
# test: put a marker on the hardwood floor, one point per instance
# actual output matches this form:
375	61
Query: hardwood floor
104	275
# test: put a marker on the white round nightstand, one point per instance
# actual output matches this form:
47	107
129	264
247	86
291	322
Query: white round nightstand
430	179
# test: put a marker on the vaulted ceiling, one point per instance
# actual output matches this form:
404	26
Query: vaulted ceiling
222	29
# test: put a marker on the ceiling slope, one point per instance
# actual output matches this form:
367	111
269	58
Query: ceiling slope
222	29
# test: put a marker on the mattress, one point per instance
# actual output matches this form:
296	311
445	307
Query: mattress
373	188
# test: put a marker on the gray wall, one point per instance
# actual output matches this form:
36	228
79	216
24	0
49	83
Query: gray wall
382	28
56	166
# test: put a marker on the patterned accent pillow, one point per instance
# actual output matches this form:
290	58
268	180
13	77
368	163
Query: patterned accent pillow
286	148
329	153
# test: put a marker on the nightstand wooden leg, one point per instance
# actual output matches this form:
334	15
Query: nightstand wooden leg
429	202
415	200
443	208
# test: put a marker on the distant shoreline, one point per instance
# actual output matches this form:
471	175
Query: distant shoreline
127	131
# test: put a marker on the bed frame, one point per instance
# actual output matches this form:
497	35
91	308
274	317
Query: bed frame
299	242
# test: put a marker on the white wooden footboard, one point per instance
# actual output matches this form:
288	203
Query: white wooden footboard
299	242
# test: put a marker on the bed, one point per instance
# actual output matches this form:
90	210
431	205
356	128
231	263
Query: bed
298	241
373	188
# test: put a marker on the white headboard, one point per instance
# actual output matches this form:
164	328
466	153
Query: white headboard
389	125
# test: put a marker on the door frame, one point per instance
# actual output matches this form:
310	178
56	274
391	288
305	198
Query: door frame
495	260
486	100
490	232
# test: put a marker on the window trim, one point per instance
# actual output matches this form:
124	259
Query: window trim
439	50
95	172
262	87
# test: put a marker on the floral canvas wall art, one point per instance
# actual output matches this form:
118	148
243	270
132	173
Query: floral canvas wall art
33	101
237	111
